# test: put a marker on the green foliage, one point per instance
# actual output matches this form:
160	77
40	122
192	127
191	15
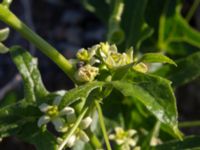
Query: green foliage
3	36
191	143
27	66
113	89
154	93
156	58
187	70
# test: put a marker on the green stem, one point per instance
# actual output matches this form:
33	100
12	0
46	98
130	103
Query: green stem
103	128
9	18
192	10
73	129
189	124
94	140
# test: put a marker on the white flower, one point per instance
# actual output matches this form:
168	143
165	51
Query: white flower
124	139
52	114
79	134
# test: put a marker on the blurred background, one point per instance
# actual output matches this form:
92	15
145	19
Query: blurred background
68	26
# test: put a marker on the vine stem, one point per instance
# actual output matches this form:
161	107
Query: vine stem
9	18
189	124
192	10
73	129
102	124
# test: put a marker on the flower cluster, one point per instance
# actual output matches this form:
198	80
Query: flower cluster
104	56
63	120
125	139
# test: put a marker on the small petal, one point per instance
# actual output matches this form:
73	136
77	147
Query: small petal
125	147
112	136
43	120
131	132
61	92
58	124
132	142
71	141
57	100
120	141
59	140
44	107
137	148
67	111
85	123
119	130
83	136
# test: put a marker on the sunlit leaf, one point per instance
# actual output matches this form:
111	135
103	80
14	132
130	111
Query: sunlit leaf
27	66
155	93
156	58
79	93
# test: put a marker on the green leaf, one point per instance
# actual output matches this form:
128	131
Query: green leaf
7	3
188	69
173	35
79	93
156	58
34	135
121	71
27	66
20	120
189	143
14	116
4	34
155	93
132	22
3	48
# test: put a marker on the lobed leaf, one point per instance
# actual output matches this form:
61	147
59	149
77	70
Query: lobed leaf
27	66
155	93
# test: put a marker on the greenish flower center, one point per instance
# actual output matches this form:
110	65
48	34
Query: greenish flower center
53	111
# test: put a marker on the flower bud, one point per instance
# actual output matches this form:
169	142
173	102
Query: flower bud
71	141
85	123
83	55
141	67
86	73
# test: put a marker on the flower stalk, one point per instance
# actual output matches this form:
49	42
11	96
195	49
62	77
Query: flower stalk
102	124
73	129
